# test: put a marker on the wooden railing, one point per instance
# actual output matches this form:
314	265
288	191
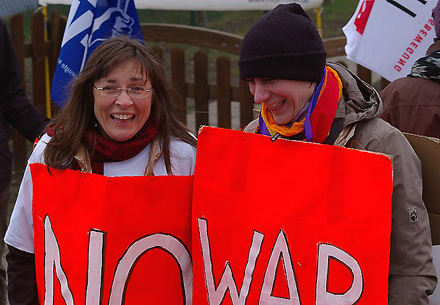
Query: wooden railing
203	76
201	62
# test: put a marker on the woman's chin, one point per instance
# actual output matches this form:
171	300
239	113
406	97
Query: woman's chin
122	137
282	121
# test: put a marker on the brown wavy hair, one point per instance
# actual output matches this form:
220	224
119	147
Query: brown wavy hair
71	122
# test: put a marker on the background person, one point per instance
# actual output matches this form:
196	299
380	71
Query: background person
17	111
304	98
119	120
412	103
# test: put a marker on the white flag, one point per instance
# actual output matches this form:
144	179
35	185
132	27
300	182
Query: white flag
388	36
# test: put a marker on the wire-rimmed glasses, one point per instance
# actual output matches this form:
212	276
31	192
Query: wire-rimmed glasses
135	91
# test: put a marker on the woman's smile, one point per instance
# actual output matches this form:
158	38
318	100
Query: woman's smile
284	98
276	106
123	118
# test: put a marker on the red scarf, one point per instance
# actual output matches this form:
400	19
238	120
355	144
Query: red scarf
107	150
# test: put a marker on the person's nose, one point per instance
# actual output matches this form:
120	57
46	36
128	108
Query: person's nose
124	100
260	92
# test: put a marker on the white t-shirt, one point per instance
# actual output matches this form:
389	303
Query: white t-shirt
20	233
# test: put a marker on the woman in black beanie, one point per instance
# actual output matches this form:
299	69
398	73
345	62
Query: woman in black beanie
305	98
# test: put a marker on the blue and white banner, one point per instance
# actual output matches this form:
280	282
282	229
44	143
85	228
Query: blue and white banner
89	23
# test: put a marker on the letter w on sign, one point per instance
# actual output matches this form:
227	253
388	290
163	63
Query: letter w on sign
288	222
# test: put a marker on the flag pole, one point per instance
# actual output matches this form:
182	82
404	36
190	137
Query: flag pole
46	62
318	20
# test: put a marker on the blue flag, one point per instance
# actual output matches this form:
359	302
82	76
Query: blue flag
89	23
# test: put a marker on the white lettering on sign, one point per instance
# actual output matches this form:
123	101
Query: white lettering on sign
52	259
323	297
280	251
216	294
127	262
124	268
95	267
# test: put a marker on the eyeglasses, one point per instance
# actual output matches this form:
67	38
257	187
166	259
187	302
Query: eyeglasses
135	91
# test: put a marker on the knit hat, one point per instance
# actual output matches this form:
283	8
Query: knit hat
436	16
284	44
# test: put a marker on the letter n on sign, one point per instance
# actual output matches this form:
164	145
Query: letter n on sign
112	240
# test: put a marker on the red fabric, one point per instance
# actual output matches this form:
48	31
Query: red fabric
362	15
106	150
128	210
314	195
324	113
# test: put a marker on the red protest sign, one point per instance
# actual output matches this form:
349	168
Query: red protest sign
111	240
289	222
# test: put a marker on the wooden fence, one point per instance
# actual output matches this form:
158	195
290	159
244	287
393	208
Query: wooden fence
202	65
37	50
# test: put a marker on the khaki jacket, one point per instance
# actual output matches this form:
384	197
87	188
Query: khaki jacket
412	276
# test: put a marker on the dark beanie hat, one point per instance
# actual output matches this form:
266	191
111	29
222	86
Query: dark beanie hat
284	44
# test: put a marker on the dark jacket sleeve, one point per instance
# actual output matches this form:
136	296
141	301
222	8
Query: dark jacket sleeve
22	282
15	107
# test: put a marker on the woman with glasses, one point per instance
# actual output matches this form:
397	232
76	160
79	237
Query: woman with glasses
119	120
